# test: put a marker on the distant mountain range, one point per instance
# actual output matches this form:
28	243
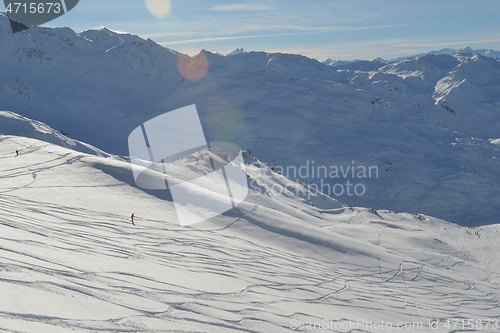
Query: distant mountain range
484	52
428	123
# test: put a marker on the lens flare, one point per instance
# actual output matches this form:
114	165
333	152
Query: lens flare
159	8
193	68
224	122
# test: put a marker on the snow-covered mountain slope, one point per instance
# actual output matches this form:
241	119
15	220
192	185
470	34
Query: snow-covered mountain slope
426	123
337	62
71	260
484	52
452	52
14	124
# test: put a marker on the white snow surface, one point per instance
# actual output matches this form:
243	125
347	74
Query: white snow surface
72	261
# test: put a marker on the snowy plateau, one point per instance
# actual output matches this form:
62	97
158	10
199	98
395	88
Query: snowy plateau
417	252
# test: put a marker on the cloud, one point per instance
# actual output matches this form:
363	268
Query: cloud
294	29
213	39
249	6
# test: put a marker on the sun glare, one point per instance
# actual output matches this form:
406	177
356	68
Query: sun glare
159	8
193	68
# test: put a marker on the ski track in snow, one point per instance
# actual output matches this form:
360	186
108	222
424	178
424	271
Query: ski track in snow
69	264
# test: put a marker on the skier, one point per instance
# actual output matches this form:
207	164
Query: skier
132	217
17	153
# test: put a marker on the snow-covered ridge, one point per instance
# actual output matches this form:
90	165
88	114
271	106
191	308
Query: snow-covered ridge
14	124
484	52
447	51
425	122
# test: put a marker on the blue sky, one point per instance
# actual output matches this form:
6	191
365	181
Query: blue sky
363	29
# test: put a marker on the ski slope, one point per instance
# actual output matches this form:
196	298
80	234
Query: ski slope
72	261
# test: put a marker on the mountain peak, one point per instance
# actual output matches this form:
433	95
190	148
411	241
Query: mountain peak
466	49
237	51
379	60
